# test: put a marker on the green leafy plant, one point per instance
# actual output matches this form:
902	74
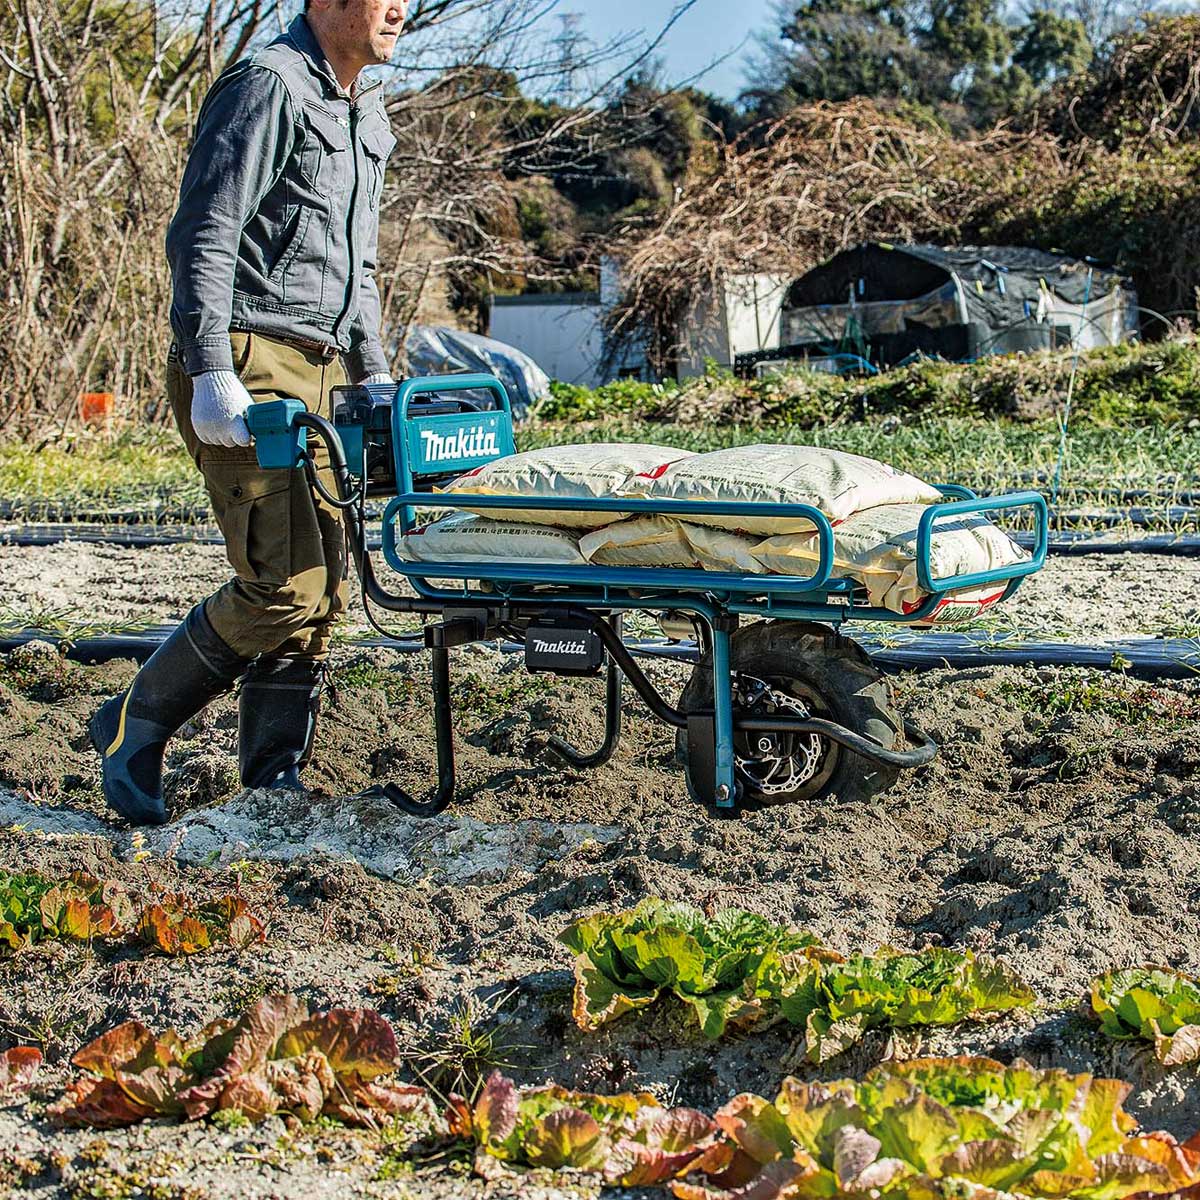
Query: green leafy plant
18	1067
837	1002
736	969
34	909
277	1058
1154	1004
630	1140
722	967
938	1128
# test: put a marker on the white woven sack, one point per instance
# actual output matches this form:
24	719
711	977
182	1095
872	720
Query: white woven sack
587	471
878	548
652	541
465	538
836	483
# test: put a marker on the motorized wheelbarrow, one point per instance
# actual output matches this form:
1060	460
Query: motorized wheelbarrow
781	706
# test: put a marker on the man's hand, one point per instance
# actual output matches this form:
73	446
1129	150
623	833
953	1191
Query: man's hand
378	377
219	404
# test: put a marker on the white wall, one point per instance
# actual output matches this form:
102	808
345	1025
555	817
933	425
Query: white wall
564	339
743	317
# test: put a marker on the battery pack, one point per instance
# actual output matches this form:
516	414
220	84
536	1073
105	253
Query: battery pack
563	648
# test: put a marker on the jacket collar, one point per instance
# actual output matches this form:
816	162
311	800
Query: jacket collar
300	34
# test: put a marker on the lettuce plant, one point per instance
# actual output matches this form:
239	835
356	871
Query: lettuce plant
1154	1004
941	1128
177	925
83	909
277	1058
722	968
630	1140
34	909
737	969
837	1002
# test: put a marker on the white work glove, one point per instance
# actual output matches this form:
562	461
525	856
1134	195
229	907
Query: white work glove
378	377
219	404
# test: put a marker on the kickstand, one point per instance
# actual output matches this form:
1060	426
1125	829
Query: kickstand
444	735
612	721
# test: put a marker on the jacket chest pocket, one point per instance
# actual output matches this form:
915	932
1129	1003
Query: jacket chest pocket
377	142
326	161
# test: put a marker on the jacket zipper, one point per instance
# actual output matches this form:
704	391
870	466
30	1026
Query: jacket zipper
353	282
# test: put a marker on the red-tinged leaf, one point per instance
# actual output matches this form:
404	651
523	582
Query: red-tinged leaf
1164	1151
775	1181
98	1104
631	1164
681	1129
368	1103
727	1165
567	1137
459	1118
83	922
251	1043
154	1088
1175	1049
495	1115
18	1067
193	936
128	1047
757	1127
357	1042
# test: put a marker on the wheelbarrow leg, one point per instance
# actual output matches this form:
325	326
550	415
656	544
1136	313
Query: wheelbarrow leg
612	720
444	735
725	792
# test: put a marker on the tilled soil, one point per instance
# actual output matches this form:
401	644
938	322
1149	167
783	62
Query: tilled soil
1068	844
1073	598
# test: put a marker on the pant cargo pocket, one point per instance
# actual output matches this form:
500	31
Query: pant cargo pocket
253	508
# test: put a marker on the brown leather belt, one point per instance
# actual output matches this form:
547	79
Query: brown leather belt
324	352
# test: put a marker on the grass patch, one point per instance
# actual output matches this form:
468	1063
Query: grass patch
987	454
141	468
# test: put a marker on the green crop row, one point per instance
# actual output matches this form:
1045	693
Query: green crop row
928	1129
737	970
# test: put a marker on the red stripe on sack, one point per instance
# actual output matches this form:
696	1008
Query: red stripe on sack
950	602
657	473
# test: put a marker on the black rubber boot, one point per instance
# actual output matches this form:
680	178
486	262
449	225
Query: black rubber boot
277	721
188	671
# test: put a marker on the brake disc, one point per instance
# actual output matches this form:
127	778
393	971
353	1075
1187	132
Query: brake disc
784	762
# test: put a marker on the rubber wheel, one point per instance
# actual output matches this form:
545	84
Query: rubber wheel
819	672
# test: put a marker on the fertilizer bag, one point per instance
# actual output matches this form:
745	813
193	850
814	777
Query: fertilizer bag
878	548
836	483
586	472
464	538
653	541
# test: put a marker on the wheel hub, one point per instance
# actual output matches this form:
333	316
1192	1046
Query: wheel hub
778	763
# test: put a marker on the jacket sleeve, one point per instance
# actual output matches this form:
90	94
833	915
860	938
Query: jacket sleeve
243	138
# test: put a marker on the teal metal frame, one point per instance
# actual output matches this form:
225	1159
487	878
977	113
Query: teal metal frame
432	444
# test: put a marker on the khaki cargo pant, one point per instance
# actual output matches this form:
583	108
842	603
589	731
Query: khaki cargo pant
287	548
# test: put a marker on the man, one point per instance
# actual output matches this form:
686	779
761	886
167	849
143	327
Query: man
272	254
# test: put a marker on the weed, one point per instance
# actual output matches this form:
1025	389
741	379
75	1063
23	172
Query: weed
365	675
1105	694
472	1046
230	1119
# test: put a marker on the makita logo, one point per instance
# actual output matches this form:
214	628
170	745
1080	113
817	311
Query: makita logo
542	647
466	443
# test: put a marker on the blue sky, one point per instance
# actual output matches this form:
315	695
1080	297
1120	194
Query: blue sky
710	29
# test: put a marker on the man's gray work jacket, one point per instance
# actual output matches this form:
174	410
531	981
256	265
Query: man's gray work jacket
278	221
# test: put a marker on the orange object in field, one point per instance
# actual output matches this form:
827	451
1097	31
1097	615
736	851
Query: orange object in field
96	408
